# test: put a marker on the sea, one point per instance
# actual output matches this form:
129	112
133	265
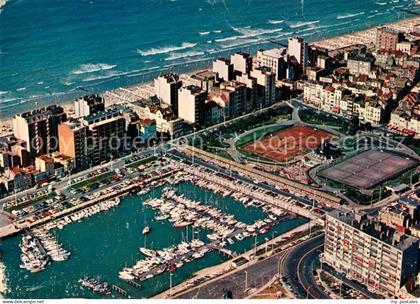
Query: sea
105	243
52	51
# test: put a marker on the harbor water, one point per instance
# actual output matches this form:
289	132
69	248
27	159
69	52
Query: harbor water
105	243
53	51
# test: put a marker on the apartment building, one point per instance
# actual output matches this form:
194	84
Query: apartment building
106	132
387	39
275	59
39	129
372	112
166	89
266	85
360	64
191	100
242	62
73	143
406	118
298	49
370	252
88	105
223	68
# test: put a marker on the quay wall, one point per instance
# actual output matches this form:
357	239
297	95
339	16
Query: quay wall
12	229
257	195
330	200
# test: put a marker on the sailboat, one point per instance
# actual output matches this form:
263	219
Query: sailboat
146	230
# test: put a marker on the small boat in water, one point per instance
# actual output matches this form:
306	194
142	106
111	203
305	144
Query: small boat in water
148	252
146	230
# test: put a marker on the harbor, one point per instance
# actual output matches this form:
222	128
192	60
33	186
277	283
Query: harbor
201	245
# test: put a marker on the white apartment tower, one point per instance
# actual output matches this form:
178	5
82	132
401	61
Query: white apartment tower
166	89
223	68
299	49
191	100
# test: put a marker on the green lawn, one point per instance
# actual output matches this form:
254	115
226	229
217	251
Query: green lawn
268	117
259	134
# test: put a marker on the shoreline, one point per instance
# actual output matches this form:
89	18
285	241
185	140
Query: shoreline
334	42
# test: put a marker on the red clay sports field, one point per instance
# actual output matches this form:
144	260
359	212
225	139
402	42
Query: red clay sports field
288	143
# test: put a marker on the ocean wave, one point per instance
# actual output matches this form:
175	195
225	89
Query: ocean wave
301	23
120	74
166	49
350	15
217	31
380	3
3	92
7	100
20	89
40	82
334	25
175	56
203	33
92	68
247	32
99	77
241	42
275	21
377	14
227	39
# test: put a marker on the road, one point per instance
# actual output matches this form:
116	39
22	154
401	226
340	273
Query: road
239	282
298	267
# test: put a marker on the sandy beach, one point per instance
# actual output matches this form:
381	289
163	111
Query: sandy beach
143	90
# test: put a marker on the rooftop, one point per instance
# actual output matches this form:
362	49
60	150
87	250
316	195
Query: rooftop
377	230
275	53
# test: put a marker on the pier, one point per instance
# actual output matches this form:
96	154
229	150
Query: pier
120	290
286	205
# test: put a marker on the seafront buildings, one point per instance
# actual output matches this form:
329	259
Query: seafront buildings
39	129
375	85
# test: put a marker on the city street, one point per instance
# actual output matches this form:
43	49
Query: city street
298	268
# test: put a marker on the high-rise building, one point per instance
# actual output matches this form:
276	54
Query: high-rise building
387	39
275	59
88	105
242	62
191	100
39	129
266	82
236	93
224	69
369	252
205	80
106	134
299	49
166	89
73	143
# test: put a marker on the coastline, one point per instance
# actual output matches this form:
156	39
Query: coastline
364	36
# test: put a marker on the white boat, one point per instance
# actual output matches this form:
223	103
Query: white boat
147	252
162	217
146	230
212	237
